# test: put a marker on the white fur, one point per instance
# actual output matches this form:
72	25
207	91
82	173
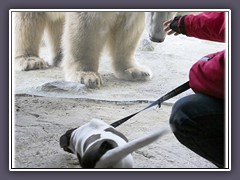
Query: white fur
154	22
79	38
119	31
28	32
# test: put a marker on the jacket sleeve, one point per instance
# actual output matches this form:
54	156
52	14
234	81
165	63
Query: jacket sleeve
207	75
207	25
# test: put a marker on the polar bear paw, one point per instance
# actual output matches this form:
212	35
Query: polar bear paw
135	74
29	63
90	79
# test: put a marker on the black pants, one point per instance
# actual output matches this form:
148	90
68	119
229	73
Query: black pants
197	121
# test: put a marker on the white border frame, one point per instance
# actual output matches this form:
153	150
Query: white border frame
227	91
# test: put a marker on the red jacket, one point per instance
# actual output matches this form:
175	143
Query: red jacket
206	75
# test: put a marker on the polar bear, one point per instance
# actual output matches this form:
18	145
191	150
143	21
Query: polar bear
78	38
28	32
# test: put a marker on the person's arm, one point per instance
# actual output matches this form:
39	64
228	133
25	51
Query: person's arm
207	75
207	26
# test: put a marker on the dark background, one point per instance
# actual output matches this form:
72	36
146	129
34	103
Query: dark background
5	6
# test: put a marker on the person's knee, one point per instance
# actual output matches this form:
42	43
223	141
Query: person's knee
179	112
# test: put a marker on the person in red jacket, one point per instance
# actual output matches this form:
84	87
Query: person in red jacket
197	120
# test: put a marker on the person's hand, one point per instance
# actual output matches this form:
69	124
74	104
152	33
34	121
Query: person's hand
167	28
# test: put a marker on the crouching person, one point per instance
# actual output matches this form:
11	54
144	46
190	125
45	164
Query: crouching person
197	120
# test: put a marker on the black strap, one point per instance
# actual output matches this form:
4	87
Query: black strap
158	102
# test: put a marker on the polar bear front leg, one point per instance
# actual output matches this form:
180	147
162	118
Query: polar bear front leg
83	40
54	31
123	42
28	32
